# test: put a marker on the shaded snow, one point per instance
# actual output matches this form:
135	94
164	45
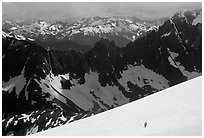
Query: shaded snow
173	111
84	95
172	60
189	75
137	74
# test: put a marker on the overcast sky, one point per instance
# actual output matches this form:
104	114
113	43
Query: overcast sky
60	10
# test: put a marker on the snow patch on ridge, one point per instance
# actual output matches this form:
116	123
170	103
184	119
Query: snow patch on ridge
17	82
189	75
172	62
172	54
166	34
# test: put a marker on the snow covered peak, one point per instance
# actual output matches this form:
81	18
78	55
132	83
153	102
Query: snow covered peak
126	28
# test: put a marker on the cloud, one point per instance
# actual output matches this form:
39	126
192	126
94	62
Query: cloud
56	10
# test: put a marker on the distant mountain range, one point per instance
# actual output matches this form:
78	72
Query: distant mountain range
85	32
43	87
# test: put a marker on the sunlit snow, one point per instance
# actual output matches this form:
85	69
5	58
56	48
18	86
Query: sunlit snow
176	111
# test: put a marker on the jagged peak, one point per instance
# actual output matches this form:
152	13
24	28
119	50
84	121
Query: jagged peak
185	12
188	15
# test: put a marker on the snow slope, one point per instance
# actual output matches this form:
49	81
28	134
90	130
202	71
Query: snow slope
174	111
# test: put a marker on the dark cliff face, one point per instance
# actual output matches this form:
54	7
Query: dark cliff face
176	39
44	88
24	64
